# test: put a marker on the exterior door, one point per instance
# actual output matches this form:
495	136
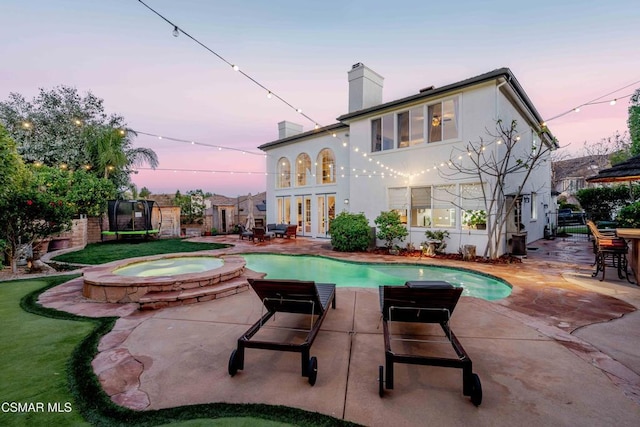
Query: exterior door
303	213
326	212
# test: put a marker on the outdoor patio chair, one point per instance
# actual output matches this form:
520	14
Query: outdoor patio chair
260	234
287	296
245	233
609	250
423	302
287	231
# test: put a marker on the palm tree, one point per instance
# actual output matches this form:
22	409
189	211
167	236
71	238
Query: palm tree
111	152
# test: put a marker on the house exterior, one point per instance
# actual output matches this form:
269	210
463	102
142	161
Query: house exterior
392	156
571	175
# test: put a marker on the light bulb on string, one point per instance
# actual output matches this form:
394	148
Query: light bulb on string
613	102
175	32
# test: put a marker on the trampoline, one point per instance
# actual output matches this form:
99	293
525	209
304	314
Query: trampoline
133	219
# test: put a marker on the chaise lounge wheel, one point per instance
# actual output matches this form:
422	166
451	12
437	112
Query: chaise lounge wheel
476	390
381	380
313	370
233	363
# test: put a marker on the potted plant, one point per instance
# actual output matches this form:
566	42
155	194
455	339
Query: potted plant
475	218
390	229
435	243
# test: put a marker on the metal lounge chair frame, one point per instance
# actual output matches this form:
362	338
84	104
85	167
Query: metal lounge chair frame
289	296
424	302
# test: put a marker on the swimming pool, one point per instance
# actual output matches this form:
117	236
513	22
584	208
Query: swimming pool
365	275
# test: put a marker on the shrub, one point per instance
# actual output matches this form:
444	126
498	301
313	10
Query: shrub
602	202
629	216
349	232
438	235
390	228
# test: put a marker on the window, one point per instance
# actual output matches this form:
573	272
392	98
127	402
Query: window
382	133
376	135
403	129
398	202
472	205
387	132
411	127
443	120
417	125
303	169
284	173
326	167
421	207
444	211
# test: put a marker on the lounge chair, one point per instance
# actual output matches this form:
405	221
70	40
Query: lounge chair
424	302
288	296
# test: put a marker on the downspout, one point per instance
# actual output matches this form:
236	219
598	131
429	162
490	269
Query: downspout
491	225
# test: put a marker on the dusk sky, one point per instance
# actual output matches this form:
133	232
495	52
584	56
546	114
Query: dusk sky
563	52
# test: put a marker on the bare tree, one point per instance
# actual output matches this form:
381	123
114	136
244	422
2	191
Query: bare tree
502	164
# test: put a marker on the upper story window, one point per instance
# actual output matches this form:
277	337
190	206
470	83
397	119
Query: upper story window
442	120
408	128
382	133
284	173
326	167
411	127
303	169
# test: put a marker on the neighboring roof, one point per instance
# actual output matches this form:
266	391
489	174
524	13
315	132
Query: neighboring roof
324	129
162	199
219	200
628	170
581	167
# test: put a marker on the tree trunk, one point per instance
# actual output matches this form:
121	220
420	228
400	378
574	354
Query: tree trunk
13	261
469	253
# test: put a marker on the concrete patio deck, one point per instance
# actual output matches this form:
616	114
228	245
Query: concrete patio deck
561	350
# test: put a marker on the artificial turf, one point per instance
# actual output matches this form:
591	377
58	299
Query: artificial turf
46	359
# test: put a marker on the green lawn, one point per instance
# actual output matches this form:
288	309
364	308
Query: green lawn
103	252
35	351
46	360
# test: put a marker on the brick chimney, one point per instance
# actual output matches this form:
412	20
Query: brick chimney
365	87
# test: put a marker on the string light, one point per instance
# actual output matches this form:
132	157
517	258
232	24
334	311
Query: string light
594	101
270	93
192	142
355	174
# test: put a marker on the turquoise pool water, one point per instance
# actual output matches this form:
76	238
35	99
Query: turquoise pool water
363	275
169	266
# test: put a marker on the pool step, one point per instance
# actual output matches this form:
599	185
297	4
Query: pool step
162	299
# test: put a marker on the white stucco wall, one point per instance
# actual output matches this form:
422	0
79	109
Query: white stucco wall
312	146
369	175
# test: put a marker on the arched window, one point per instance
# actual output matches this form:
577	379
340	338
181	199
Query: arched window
284	173
326	167
303	169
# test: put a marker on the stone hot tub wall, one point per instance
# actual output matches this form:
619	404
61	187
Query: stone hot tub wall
101	284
